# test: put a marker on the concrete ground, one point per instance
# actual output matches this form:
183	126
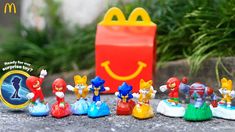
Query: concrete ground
22	121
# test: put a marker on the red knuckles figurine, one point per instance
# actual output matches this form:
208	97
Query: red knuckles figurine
38	106
173	86
34	85
60	108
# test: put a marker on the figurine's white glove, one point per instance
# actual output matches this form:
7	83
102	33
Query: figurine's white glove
136	95
153	95
30	95
154	91
221	90
43	73
106	88
116	93
70	88
163	88
232	93
59	94
89	87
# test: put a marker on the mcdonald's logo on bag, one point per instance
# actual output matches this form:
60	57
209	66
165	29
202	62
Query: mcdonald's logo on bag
9	7
125	48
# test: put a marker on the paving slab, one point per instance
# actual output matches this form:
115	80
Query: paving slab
22	121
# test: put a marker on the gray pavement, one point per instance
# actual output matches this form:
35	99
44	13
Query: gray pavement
22	121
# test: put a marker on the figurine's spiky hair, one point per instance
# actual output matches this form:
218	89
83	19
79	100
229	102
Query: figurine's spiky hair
97	81
124	88
145	85
80	80
226	83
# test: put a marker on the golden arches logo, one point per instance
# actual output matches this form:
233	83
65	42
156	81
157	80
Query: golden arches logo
141	66
9	6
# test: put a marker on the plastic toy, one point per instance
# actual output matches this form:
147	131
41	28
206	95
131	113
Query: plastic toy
143	110
60	108
198	109
38	106
81	90
125	105
97	107
171	107
224	109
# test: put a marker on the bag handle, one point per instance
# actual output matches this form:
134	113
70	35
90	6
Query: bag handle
132	20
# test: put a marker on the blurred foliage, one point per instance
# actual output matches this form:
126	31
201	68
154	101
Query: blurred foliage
55	48
192	29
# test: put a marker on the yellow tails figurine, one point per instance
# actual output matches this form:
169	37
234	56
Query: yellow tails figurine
81	90
227	92
143	110
225	109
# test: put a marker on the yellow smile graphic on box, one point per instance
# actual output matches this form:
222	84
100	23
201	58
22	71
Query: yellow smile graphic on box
141	64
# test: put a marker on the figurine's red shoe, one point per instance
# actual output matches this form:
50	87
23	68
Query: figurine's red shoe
125	108
59	111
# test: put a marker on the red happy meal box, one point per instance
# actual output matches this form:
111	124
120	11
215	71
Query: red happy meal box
125	49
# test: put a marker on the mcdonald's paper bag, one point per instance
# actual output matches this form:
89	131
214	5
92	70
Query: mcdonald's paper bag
125	49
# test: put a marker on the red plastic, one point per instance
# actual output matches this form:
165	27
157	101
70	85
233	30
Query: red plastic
124	49
125	108
60	108
173	90
59	112
34	85
214	103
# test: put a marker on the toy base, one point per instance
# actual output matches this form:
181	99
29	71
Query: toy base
95	111
125	108
80	107
142	111
198	114
59	112
222	111
167	109
38	109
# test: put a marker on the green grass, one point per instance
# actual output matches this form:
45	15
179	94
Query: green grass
187	29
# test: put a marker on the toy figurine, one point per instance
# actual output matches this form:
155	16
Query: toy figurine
81	90
60	108
171	107
198	109
224	109
97	107
126	104
143	109
38	106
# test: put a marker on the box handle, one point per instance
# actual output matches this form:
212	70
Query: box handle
121	20
139	12
114	11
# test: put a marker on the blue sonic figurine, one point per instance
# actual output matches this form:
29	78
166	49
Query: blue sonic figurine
125	105
97	107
